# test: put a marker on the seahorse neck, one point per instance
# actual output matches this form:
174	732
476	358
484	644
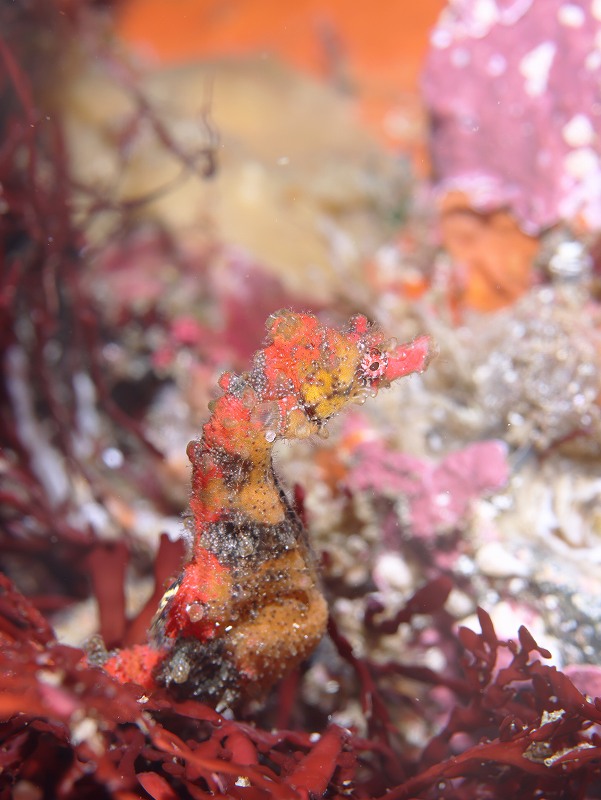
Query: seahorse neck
233	482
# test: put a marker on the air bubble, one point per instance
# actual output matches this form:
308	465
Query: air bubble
270	435
179	668
195	612
113	458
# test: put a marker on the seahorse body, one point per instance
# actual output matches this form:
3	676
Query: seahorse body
247	606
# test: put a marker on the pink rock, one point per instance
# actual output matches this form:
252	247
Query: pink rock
438	495
187	330
513	89
586	678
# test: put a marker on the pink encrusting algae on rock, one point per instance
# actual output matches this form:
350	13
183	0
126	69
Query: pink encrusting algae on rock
513	90
438	494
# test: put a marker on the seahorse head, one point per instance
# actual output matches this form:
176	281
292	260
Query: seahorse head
323	368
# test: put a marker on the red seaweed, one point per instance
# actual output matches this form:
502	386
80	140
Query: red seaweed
525	726
497	721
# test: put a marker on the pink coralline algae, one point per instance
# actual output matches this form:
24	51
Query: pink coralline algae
438	495
512	87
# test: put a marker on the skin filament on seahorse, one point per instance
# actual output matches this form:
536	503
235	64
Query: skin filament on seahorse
247	606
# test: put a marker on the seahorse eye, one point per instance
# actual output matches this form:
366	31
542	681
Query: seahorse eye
372	366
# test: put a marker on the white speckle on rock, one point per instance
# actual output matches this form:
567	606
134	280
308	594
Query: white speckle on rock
97	516
514	12
441	38
571	15
392	573
86	730
497	65
113	457
578	131
581	162
460	57
495	561
485	14
535	66
569	261
459	604
593	60
443	499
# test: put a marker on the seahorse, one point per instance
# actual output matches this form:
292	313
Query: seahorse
247	606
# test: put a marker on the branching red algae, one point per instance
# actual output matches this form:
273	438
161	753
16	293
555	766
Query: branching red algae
68	730
512	727
247	606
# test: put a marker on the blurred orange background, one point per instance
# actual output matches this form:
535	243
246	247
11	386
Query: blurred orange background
375	51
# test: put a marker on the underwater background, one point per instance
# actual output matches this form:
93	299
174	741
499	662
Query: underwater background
173	176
